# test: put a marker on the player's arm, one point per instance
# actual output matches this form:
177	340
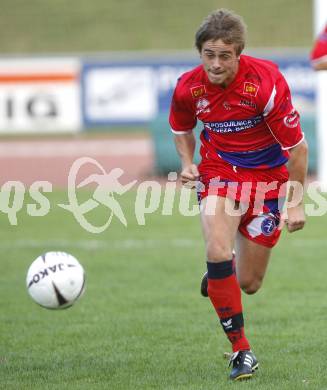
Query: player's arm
297	167
182	120
185	146
319	65
284	123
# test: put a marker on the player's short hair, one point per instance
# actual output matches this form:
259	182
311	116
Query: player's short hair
225	25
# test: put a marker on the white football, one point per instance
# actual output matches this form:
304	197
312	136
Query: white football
55	280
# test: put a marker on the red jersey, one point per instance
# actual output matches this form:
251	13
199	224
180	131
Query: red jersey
319	51
249	124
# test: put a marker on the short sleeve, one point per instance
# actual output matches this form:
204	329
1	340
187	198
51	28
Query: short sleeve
182	116
319	51
281	117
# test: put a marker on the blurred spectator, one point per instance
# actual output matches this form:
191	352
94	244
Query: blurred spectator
319	51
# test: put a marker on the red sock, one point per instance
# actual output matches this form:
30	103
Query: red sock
225	295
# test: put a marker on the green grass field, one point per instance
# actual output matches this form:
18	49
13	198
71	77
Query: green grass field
142	323
47	26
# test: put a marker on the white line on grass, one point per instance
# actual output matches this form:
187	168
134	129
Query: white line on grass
127	244
55	244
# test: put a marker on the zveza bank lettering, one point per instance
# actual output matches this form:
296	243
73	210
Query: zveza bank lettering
233	126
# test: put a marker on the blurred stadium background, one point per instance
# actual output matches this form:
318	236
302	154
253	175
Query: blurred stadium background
109	69
94	78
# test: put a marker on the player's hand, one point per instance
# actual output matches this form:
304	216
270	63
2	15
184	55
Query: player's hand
294	219
190	175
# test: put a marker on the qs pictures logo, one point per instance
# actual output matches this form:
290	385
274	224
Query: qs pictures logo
107	189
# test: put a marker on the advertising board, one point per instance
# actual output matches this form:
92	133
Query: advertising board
39	95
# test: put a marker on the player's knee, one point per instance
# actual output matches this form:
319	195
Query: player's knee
250	286
218	252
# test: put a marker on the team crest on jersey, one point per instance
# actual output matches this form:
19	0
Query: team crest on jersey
292	119
201	106
250	89
198	91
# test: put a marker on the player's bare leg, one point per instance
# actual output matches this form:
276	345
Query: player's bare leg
220	230
251	263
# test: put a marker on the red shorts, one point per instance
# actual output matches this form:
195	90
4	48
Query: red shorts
261	192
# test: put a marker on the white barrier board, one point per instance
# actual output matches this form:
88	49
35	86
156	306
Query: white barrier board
39	95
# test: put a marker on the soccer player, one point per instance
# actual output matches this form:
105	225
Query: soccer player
250	131
319	52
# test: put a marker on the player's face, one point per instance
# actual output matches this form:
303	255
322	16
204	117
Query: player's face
220	62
